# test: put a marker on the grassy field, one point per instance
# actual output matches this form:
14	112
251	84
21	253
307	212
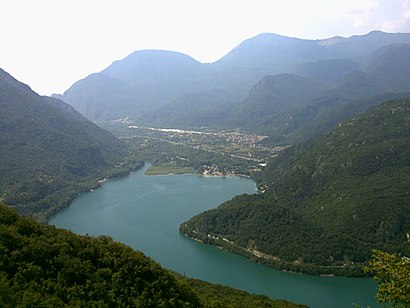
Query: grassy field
163	170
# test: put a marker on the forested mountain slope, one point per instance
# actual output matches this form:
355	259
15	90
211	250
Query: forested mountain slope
43	266
289	107
271	97
144	80
329	72
145	84
328	202
386	76
48	151
309	122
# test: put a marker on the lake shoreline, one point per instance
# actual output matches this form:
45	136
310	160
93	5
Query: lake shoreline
145	212
274	262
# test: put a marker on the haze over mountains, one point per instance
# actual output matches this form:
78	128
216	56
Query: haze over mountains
163	88
336	194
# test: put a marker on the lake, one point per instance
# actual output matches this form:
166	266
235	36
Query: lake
146	211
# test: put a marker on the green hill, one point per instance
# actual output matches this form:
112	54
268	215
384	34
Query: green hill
48	151
42	266
328	202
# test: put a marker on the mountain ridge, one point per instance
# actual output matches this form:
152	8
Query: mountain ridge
49	152
152	86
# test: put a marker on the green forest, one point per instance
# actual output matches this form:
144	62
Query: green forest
50	153
42	266
328	202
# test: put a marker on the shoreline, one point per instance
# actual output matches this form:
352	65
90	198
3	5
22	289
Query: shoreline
170	170
96	184
275	262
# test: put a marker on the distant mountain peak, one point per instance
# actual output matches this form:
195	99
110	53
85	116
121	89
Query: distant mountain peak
376	32
150	62
154	55
264	40
147	80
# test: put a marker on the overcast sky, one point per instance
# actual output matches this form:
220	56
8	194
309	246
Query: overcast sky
50	44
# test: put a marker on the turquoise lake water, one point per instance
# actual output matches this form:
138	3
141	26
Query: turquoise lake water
146	211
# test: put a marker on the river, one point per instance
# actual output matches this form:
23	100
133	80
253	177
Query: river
146	211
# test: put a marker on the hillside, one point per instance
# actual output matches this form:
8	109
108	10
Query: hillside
271	97
329	72
43	266
328	202
290	107
147	83
385	77
209	108
281	54
49	152
144	80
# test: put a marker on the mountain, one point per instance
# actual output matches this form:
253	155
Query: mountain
270	97
49	267
317	107
100	96
201	109
147	81
280	54
390	68
271	54
387	72
329	72
319	116
49	152
328	202
143	80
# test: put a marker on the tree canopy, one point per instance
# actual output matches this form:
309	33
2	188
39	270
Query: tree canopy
328	202
392	271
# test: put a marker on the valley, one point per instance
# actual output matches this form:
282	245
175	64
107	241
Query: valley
293	153
237	153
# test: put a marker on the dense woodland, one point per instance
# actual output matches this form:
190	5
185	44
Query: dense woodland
392	272
42	266
50	153
328	203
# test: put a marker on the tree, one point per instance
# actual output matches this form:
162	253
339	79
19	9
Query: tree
393	273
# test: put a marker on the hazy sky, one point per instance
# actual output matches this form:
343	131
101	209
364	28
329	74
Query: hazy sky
50	44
